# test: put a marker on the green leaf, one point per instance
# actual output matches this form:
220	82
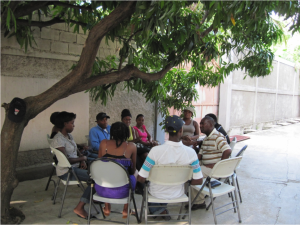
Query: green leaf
8	19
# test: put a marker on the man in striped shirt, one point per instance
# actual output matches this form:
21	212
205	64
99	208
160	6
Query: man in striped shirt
171	152
214	148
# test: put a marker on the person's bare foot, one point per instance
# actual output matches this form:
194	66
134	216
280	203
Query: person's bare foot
106	209
80	212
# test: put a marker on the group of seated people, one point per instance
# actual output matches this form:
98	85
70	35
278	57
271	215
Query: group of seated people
125	144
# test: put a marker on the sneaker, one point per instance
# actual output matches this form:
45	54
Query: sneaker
196	206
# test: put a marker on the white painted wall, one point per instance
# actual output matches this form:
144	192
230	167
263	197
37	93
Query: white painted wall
34	136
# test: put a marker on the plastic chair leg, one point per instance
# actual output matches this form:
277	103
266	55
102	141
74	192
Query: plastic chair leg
237	202
55	191
212	204
134	205
239	190
89	213
128	208
181	207
50	178
64	195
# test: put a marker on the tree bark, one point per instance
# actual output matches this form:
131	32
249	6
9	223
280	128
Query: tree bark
10	141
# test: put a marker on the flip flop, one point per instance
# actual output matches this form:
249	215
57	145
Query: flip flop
86	218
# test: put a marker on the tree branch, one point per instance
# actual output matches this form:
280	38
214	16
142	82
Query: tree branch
129	39
29	8
41	24
87	8
205	16
70	83
204	33
127	73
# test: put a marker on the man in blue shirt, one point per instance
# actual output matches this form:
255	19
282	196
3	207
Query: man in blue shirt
100	132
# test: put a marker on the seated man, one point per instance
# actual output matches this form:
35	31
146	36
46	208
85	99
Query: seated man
100	132
219	127
213	149
171	152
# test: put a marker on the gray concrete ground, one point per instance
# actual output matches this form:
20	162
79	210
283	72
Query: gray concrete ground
269	177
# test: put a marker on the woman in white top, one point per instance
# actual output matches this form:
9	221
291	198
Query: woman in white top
190	128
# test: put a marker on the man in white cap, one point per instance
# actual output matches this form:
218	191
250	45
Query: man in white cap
171	152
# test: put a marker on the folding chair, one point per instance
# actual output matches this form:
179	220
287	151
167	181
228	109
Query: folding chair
53	164
232	144
111	174
223	169
240	153
64	162
168	175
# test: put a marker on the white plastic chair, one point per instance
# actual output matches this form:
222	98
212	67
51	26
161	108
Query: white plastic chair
53	168
168	175
64	162
240	153
110	174
223	169
232	144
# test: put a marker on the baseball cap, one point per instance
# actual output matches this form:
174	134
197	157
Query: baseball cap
101	115
173	123
17	110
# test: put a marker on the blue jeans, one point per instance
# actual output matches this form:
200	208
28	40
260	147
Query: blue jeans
82	176
157	210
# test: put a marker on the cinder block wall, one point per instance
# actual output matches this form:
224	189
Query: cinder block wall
26	74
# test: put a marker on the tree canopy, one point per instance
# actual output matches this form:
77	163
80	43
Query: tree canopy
160	35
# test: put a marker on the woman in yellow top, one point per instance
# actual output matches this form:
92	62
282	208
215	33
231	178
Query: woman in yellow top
126	119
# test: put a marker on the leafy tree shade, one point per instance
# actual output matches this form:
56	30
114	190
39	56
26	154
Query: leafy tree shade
156	37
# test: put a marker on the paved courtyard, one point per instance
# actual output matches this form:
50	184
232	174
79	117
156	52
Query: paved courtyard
269	178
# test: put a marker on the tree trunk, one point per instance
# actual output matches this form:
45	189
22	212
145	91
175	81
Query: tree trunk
11	135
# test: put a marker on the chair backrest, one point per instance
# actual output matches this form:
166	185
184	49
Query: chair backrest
49	139
232	144
108	173
170	174
61	158
225	168
241	152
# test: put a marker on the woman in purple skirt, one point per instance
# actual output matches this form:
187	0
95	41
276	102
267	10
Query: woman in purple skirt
122	152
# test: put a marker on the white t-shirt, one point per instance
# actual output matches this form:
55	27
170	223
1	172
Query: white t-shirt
170	153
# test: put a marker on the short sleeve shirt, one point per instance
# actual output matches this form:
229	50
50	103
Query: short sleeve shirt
170	153
213	147
60	141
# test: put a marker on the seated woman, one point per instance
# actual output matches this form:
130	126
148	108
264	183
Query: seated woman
64	142
83	150
190	128
126	119
125	154
145	138
55	129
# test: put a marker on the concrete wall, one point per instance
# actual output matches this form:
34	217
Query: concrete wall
25	74
258	102
124	100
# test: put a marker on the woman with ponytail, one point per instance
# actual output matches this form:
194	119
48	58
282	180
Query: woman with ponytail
124	153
